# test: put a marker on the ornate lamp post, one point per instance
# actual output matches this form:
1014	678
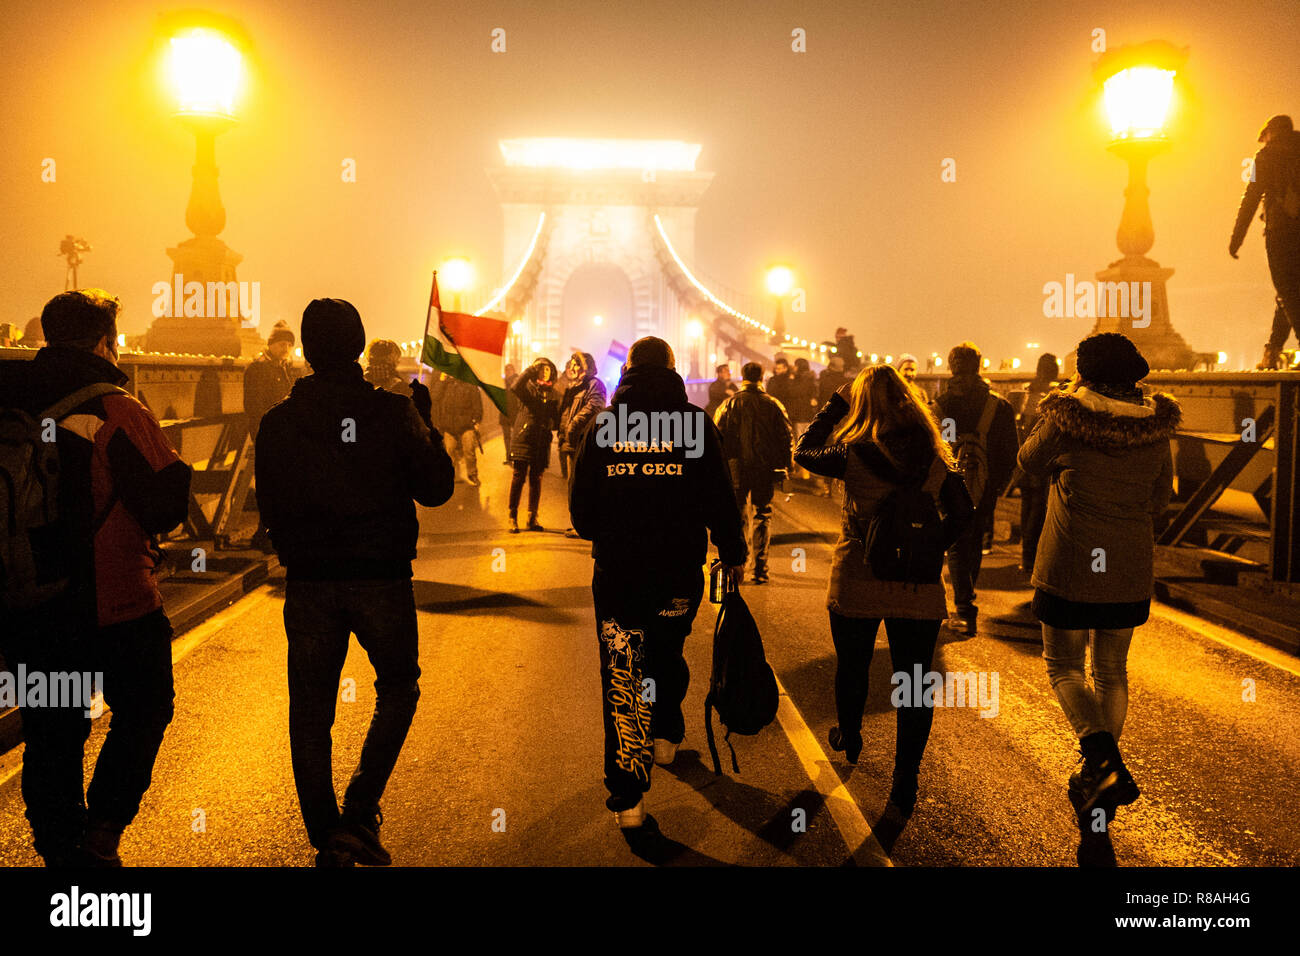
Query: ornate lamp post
780	280
457	275
1138	86
206	70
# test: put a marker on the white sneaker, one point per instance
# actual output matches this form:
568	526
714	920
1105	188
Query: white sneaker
630	819
665	752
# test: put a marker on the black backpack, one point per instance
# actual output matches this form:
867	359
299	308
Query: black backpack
742	688
904	539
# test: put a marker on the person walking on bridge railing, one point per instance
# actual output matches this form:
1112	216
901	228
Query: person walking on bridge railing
1276	181
338	464
1104	448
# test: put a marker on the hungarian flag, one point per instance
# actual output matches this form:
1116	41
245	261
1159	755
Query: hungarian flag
466	347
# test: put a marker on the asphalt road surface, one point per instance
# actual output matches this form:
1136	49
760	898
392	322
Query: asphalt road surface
503	762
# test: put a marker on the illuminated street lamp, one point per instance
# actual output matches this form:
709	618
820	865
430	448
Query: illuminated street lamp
694	332
780	280
456	275
205	69
1138	93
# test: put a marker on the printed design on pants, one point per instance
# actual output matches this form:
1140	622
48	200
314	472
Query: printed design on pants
678	608
628	706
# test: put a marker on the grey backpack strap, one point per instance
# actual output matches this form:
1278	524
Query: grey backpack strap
986	419
69	402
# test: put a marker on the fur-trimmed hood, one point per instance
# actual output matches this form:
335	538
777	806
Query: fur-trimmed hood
1109	424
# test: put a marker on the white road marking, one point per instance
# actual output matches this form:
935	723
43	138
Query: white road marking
1221	635
862	843
12	762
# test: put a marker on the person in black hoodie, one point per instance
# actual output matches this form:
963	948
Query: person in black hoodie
875	435
338	463
1276	181
120	482
648	506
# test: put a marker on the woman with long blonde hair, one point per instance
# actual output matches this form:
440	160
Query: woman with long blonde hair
903	507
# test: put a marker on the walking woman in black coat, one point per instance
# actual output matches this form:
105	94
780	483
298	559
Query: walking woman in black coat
877	436
1104	448
530	445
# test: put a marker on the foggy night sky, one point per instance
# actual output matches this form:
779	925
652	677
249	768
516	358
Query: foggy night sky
827	160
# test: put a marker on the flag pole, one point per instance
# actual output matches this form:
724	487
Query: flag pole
433	297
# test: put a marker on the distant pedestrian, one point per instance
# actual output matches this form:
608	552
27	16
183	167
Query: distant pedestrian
907	368
981	427
267	380
120	483
779	383
756	444
831	380
462	410
1105	449
1276	181
648	515
530	445
381	367
847	350
1033	488
507	418
878	437
720	389
581	403
338	463
269	376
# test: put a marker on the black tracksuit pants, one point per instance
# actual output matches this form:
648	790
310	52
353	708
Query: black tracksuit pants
642	620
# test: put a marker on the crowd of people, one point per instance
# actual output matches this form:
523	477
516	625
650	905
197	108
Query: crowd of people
920	479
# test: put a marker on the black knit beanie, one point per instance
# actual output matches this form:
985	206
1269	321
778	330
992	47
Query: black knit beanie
332	333
1109	358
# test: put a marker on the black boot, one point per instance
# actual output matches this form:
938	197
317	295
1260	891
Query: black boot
1104	780
851	747
902	794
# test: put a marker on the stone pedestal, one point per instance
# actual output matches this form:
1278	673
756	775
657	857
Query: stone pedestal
204	259
1158	341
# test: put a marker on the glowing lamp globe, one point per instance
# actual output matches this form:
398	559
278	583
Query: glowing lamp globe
780	280
1137	101
206	72
456	275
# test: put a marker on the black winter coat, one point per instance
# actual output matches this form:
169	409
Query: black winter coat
756	434
1277	166
963	402
538	418
652	512
340	509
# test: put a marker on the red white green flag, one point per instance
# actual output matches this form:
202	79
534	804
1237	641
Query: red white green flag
466	347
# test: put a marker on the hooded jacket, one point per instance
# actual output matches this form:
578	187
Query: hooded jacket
538	417
461	407
580	405
116	469
652	511
338	463
869	476
1277	166
1111	472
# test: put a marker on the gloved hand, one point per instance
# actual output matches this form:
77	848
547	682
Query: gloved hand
423	401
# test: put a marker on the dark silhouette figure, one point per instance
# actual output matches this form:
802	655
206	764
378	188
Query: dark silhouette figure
120	483
338	463
1276	182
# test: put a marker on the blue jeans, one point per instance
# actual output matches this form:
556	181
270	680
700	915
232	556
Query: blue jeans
319	616
1102	706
